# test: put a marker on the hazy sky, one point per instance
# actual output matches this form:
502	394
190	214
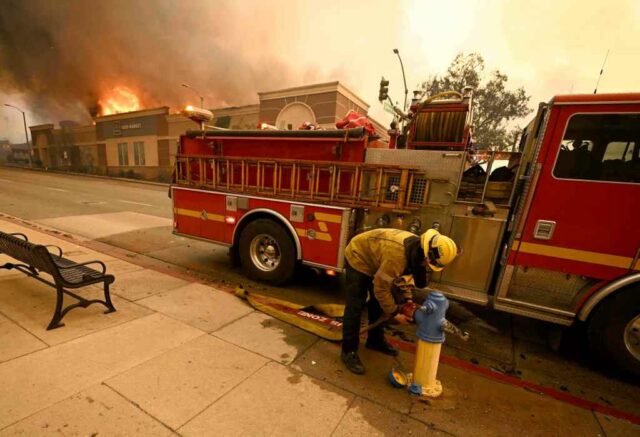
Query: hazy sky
547	46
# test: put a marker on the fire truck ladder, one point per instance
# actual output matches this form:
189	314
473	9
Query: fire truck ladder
343	183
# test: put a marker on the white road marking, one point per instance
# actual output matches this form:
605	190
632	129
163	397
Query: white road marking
57	189
134	203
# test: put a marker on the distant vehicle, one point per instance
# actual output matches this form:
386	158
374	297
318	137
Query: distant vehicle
549	231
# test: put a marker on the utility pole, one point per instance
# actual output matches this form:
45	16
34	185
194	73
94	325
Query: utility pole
26	135
406	90
197	93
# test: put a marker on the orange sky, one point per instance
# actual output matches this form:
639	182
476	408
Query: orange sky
547	46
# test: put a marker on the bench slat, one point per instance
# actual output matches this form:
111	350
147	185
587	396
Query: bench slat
65	273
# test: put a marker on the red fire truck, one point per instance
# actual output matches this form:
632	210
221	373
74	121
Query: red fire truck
548	231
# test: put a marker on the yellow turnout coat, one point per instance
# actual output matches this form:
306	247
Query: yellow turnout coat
380	254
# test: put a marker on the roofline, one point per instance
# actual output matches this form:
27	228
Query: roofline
82	127
236	110
42	126
224	108
162	110
301	87
318	88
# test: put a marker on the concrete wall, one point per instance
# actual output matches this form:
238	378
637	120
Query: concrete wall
146	173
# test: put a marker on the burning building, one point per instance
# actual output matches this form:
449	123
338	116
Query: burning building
136	144
127	141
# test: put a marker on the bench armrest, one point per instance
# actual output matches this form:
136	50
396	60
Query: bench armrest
104	267
19	234
57	247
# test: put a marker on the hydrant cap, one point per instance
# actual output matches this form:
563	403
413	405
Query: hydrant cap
436	296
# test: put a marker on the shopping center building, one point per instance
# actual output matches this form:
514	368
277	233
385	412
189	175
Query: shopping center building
142	144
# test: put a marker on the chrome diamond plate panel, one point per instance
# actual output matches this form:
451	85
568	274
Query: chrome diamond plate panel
437	164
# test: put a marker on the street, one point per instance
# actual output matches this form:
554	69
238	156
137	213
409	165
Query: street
137	217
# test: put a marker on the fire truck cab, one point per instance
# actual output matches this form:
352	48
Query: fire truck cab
549	230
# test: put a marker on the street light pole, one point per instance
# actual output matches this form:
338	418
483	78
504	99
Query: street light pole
406	90
197	92
26	136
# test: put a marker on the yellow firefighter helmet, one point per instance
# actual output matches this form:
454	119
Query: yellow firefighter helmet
439	250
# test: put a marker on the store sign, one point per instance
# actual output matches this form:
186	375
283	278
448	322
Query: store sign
119	128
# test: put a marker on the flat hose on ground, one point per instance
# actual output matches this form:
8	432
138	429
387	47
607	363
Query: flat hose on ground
322	320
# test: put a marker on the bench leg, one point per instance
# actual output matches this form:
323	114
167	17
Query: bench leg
57	315
107	300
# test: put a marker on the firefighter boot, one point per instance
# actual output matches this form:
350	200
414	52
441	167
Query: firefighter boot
353	363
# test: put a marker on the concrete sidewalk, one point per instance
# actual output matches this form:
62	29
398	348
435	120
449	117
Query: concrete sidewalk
180	357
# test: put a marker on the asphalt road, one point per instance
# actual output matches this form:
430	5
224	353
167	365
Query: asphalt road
138	217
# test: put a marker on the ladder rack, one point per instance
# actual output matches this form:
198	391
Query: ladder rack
341	183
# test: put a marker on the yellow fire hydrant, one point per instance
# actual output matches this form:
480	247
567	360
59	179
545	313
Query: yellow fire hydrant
432	324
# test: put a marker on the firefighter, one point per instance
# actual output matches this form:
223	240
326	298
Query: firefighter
375	260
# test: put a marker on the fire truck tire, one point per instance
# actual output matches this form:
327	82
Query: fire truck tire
614	332
267	252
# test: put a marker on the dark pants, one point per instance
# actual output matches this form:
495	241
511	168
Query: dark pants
359	286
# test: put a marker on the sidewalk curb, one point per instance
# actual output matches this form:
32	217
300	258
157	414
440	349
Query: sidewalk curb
526	385
192	277
135	258
62	172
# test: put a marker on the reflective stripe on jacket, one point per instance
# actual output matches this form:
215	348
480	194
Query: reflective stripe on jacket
380	254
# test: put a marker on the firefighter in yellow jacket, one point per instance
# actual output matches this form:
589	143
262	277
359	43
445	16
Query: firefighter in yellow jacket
375	261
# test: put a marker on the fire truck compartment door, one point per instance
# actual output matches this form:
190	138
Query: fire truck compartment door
199	214
187	212
479	239
583	218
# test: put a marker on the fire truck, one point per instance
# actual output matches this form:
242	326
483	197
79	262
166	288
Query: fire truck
549	230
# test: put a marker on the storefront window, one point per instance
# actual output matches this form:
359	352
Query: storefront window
123	154
138	152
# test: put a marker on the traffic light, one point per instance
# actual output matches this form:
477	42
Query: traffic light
383	94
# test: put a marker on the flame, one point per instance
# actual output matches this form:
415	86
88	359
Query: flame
119	99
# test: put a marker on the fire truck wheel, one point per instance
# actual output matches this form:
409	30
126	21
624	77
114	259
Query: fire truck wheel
267	253
614	331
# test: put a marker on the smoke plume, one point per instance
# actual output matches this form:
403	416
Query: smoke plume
63	56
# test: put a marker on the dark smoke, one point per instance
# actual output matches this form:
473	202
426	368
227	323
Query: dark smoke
64	54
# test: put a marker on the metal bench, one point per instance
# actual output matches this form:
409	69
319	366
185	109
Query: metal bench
36	259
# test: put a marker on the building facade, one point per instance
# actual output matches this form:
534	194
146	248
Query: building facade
143	144
139	145
14	153
323	104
